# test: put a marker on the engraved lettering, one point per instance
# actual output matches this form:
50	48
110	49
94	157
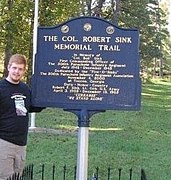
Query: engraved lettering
50	38
96	39
123	40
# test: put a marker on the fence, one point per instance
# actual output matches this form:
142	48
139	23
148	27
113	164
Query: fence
30	173
26	175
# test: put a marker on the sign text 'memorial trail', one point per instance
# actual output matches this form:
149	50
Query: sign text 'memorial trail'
87	63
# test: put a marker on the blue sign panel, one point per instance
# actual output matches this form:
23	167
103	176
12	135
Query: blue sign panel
87	63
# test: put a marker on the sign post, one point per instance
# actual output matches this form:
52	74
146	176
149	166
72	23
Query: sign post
82	154
85	66
83	137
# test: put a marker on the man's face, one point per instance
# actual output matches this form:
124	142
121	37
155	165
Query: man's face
15	72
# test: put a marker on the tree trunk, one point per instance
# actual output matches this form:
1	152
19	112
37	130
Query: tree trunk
116	11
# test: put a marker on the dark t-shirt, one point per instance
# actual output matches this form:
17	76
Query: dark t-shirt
15	102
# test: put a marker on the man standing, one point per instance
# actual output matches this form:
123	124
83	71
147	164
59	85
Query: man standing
15	104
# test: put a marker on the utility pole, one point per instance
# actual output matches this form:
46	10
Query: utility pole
36	12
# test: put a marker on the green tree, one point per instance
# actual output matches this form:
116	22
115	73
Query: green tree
16	17
16	24
53	12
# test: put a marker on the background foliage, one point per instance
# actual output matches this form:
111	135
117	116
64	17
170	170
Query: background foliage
16	26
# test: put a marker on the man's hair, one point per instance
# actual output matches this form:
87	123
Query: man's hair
18	59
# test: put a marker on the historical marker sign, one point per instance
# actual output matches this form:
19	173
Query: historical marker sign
87	63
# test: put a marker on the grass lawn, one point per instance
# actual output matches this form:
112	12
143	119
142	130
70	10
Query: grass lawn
117	139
